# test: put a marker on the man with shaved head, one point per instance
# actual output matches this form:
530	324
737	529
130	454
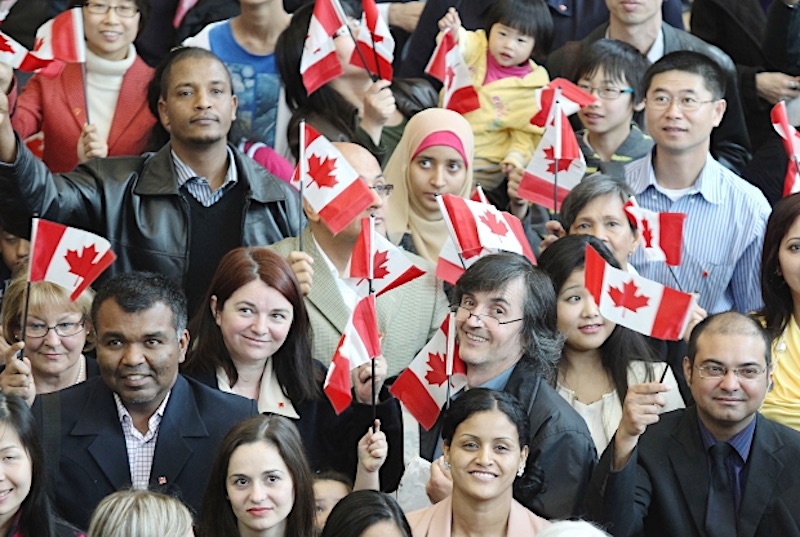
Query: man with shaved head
407	316
716	468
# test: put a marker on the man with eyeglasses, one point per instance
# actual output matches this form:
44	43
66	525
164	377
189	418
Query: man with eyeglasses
408	315
725	216
715	469
508	339
641	24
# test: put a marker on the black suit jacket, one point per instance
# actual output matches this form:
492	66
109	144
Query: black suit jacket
93	458
663	490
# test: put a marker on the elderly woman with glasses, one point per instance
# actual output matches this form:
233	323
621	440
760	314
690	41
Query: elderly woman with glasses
56	334
102	112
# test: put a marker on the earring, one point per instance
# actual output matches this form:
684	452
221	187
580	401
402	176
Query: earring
520	472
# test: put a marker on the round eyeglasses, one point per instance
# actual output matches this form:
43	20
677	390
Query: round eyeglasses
490	321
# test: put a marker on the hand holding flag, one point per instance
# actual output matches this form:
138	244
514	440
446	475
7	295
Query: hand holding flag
447	65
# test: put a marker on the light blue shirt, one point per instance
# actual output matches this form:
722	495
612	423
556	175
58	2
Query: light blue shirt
199	187
722	237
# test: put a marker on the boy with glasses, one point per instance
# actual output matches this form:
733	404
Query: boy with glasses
612	71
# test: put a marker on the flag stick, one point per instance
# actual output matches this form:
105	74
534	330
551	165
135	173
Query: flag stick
302	172
451	338
24	333
339	11
374	50
675	277
85	92
370	277
557	149
664	373
481	193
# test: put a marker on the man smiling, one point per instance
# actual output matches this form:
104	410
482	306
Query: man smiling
140	424
717	468
509	341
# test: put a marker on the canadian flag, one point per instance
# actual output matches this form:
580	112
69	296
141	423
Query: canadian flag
476	229
330	184
422	386
447	65
67	256
378	259
662	233
319	63
635	302
791	142
359	343
18	57
556	166
479	194
570	97
5	7
62	38
480	226
375	42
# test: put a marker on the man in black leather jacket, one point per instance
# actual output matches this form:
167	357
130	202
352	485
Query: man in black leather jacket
175	212
509	341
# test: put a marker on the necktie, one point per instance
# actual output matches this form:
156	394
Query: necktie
720	511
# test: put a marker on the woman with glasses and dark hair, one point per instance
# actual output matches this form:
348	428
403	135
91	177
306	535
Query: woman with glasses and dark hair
99	114
57	332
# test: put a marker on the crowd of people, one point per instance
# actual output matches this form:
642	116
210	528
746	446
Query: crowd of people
185	393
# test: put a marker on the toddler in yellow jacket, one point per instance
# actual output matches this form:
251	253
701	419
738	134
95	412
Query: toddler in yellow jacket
505	78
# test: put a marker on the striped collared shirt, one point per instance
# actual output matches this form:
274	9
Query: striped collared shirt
199	187
141	447
722	236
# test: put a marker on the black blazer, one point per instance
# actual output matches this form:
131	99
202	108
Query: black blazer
93	458
663	490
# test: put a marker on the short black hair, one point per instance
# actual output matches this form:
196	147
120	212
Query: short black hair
362	509
693	62
730	323
176	55
135	292
618	60
529	17
593	187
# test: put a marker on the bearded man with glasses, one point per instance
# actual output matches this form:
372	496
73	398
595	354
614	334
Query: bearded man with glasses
509	341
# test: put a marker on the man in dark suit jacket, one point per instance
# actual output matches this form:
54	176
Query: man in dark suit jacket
654	479
140	424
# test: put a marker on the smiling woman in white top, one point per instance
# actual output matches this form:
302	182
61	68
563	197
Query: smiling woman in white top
600	359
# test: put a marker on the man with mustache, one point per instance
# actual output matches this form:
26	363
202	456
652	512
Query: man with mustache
175	212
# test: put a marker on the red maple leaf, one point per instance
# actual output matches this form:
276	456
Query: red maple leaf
81	264
379	265
322	170
647	233
5	46
449	77
627	297
437	373
563	163
498	227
